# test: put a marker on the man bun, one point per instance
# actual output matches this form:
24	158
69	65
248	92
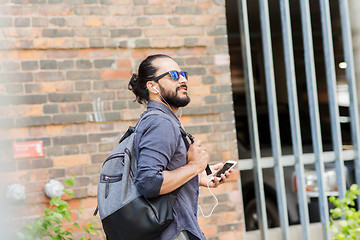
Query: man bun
141	93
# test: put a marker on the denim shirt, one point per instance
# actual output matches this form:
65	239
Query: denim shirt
160	146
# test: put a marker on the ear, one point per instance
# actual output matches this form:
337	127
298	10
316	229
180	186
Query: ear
151	87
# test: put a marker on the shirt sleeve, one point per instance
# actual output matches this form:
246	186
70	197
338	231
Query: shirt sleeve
157	145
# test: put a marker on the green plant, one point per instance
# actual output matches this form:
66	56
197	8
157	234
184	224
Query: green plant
344	218
51	224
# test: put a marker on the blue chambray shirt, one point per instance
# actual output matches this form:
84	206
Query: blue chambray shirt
160	146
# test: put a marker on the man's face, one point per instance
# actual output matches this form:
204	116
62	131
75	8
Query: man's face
174	92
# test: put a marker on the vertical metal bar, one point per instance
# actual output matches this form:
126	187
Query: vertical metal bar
294	116
273	117
331	86
351	80
314	112
252	118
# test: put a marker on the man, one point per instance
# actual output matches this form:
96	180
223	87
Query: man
164	163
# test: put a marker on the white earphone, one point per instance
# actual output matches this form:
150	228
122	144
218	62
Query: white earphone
156	90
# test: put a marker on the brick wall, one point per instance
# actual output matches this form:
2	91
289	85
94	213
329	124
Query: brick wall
65	66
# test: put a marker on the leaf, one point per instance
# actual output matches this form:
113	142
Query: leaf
57	216
336	212
94	231
343	223
70	182
334	229
353	187
86	230
69	192
56	201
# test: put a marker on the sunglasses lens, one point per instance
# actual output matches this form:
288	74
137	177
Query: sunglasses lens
174	75
185	75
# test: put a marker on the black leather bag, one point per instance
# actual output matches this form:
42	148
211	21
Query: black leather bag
140	219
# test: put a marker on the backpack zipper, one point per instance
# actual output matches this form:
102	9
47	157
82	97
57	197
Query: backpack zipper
116	155
108	180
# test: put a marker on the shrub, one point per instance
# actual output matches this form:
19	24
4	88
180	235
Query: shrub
344	218
50	224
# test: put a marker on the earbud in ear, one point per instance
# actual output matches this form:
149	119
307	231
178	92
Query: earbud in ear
156	90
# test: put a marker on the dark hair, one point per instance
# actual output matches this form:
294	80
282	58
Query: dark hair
146	72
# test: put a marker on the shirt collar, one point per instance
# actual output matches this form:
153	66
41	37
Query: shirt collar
162	107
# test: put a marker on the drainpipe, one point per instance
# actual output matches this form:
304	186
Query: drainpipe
354	8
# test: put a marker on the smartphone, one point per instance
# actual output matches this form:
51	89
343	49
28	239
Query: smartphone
228	165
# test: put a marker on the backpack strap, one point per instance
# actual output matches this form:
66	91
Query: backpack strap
175	123
172	195
182	130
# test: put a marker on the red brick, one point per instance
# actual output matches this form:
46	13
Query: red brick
89	203
71	160
61	54
16	177
115	74
35	198
36	131
29	210
143	53
209	230
75	171
39	174
74	216
159	21
16	10
96	53
54	130
87	214
56	87
74	204
93	22
25	55
68	107
35	186
123	63
42	43
232	235
17	133
28	110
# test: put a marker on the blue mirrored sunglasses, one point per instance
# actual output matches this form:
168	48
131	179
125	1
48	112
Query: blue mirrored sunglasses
174	75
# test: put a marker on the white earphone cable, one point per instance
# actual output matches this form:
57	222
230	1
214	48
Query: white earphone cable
217	202
162	97
167	103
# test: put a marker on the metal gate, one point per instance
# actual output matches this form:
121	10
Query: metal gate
318	157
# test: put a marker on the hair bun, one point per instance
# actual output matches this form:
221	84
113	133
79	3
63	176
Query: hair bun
134	77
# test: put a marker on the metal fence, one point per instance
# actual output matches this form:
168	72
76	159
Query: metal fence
299	159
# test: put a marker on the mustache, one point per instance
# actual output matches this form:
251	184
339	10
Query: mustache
181	86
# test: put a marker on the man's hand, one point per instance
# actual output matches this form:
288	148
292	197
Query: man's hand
197	156
204	178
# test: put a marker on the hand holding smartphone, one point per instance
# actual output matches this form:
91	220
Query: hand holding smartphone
228	165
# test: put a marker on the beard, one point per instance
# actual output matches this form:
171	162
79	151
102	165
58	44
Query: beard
173	99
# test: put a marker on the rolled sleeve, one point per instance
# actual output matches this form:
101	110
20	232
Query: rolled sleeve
156	145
